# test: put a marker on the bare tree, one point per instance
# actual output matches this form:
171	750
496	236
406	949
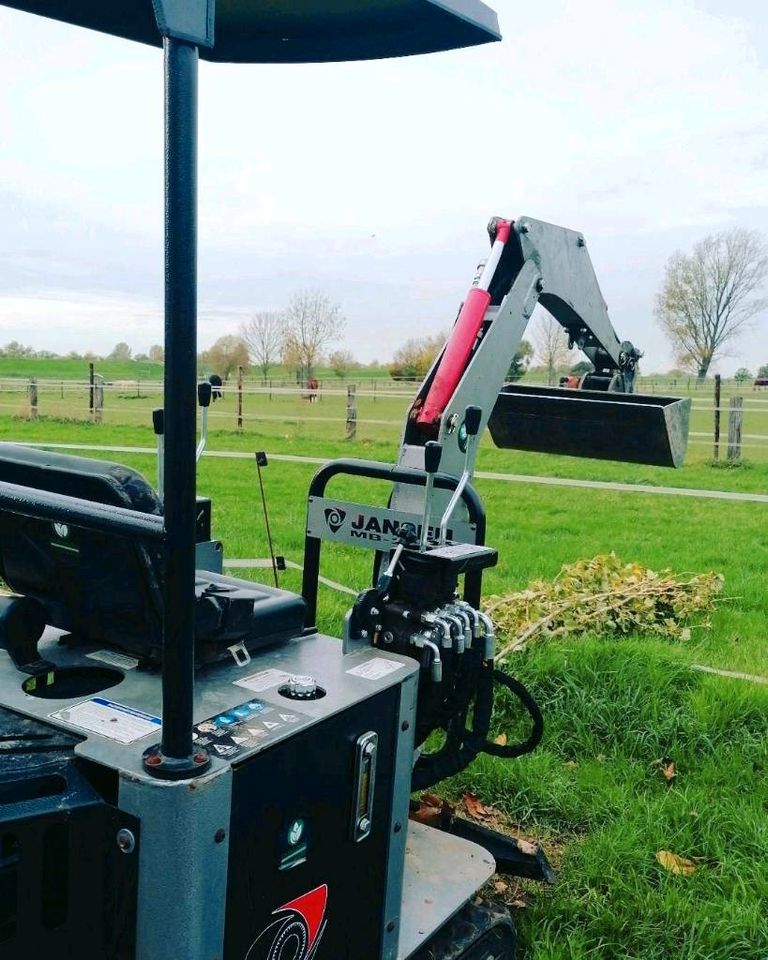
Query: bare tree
551	345
156	353
263	334
708	298
311	321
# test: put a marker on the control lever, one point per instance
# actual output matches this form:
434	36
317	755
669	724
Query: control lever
433	452
158	425
204	391
471	428
407	538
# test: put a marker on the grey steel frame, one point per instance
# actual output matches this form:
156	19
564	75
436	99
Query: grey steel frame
557	272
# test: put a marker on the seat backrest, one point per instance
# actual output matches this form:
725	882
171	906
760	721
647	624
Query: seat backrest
99	587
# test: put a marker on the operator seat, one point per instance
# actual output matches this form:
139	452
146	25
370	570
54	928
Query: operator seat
108	590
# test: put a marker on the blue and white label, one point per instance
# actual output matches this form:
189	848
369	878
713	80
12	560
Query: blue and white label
108	719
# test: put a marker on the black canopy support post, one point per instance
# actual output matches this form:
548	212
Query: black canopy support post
175	757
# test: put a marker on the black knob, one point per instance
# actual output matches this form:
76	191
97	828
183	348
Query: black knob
204	391
433	451
472	417
158	421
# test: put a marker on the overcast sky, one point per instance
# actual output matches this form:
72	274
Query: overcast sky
643	123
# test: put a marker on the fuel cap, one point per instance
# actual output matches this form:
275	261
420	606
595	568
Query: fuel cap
302	687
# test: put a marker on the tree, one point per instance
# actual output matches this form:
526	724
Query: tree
342	362
121	351
551	344
263	334
156	353
311	321
520	361
763	371
16	349
742	375
708	296
412	360
227	354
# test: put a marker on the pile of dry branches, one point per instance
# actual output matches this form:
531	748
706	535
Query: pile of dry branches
603	596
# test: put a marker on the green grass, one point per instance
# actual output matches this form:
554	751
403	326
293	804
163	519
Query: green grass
593	791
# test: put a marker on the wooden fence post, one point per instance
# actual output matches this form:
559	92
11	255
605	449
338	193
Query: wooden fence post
716	452
735	417
90	390
32	392
239	397
351	412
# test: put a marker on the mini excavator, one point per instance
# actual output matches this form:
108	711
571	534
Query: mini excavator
189	768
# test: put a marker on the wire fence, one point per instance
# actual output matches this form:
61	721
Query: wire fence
379	406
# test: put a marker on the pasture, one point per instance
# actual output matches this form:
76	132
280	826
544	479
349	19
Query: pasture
615	709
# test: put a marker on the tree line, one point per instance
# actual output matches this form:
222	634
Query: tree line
709	298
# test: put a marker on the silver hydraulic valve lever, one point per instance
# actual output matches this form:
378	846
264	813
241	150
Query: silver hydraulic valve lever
470	428
433	452
204	391
158	426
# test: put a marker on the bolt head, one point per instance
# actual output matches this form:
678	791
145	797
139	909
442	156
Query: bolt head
126	841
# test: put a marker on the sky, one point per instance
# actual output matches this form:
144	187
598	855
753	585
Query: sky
642	123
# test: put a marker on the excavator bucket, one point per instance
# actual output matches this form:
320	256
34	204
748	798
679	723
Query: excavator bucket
630	427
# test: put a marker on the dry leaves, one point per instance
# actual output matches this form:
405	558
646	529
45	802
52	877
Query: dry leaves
475	808
668	769
675	863
603	595
432	811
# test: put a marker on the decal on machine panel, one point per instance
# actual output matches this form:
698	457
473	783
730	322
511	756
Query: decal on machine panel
298	928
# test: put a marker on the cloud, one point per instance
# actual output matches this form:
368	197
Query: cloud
642	123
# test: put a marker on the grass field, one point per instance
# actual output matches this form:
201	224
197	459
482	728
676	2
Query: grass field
593	791
281	411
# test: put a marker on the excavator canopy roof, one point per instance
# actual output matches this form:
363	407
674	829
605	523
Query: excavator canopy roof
285	31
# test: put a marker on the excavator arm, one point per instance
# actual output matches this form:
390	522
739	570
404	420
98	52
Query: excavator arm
535	262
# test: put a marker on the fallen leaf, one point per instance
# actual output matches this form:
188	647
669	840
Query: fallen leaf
675	863
528	847
501	740
432	811
500	887
474	807
669	770
518	904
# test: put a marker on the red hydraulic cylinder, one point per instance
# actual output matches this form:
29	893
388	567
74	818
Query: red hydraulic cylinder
463	337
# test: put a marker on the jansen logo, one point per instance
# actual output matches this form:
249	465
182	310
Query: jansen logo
297	931
335	517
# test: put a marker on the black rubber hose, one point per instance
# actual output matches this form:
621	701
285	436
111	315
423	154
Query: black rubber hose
462	746
508	751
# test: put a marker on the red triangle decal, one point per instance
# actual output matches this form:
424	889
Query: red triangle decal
312	907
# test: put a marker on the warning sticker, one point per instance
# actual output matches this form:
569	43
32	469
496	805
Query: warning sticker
264	680
244	727
108	719
375	669
114	659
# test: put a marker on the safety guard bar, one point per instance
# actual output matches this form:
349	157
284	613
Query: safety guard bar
374	470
